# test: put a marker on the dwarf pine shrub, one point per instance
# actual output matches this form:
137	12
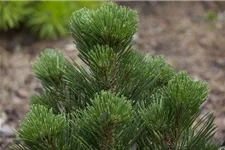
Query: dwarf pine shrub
124	100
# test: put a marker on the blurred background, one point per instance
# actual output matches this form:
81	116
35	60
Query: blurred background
191	36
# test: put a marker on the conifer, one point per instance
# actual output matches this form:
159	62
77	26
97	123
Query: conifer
123	100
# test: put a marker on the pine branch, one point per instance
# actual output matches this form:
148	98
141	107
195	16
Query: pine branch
49	68
41	129
104	120
108	25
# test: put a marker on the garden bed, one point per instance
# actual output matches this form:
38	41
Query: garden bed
178	30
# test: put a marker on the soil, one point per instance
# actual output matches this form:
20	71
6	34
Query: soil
177	30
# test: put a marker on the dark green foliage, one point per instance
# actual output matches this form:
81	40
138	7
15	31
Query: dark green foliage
123	99
37	130
49	67
116	25
178	106
102	123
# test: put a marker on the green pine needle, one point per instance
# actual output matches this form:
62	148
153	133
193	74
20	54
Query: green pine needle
49	67
41	129
108	25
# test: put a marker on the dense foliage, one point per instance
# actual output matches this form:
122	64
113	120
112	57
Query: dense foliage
46	19
12	13
125	99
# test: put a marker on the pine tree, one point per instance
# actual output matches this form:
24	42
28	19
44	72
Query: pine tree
124	100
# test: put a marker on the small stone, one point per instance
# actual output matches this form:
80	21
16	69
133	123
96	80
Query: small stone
22	93
70	47
135	37
223	122
3	117
17	48
196	78
220	62
28	79
219	25
6	131
221	16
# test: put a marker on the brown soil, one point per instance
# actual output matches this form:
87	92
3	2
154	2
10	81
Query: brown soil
177	30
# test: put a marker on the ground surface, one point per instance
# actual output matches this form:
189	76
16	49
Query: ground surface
176	30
